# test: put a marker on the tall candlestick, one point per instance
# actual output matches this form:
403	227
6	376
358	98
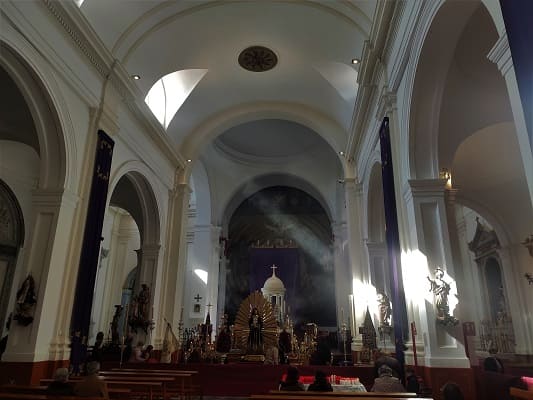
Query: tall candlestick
181	314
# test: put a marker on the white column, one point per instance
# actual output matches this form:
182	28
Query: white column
359	279
342	271
174	263
434	250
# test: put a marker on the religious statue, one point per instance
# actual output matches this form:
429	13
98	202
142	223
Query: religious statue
26	299
384	307
143	300
114	324
441	290
255	337
285	346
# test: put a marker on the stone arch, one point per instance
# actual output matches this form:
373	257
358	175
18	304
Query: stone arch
324	126
264	181
52	123
11	240
146	209
428	142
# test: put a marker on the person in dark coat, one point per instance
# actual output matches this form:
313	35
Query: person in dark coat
320	384
60	385
291	382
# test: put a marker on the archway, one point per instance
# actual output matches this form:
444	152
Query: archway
461	110
284	226
130	243
11	240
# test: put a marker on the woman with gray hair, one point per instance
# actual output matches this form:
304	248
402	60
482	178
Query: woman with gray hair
60	385
92	385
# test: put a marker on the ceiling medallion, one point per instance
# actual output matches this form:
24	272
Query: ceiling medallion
257	59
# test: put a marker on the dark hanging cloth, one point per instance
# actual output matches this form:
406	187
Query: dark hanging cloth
81	312
517	16
399	309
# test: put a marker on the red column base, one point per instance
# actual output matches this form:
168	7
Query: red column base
28	373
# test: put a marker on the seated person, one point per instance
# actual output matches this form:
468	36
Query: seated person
291	381
92	385
320	384
451	391
391	362
148	355
60	385
412	383
386	382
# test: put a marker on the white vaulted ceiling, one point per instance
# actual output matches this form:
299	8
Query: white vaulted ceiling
314	42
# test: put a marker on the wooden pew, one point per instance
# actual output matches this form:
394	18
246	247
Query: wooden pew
28	396
174	384
521	394
402	395
185	386
321	396
136	387
114	392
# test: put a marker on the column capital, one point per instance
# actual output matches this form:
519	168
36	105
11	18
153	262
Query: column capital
500	54
54	197
451	196
386	103
352	185
180	189
150	249
427	187
338	227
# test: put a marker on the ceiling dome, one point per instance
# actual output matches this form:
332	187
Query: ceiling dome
273	284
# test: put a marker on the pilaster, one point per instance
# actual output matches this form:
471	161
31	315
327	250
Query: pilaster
174	264
45	338
360	276
434	250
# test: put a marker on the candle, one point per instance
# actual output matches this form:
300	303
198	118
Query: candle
181	314
342	314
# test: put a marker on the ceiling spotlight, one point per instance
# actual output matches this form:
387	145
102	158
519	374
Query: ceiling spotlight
189	160
136	77
341	153
355	61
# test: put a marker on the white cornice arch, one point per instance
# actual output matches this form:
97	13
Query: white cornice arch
324	126
161	15
149	194
241	193
49	110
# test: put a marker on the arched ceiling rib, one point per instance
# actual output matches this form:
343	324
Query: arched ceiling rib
314	41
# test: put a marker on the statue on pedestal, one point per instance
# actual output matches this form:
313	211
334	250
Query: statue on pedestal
441	290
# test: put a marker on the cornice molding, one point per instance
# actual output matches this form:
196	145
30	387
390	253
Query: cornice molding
90	45
370	74
500	54
427	187
386	103
251	160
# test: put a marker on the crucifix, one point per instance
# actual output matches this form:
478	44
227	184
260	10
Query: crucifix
273	267
198	298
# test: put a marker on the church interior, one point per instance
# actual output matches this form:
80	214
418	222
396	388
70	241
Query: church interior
359	173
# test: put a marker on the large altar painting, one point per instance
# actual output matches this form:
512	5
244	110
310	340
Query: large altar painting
288	228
